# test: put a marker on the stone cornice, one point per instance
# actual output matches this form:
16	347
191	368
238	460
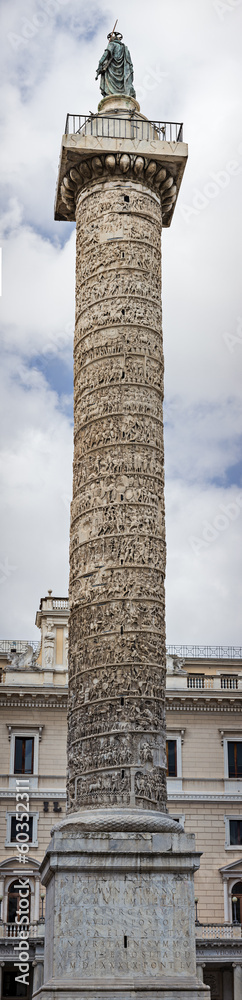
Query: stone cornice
149	172
219	949
41	793
204	797
175	702
195	702
30	699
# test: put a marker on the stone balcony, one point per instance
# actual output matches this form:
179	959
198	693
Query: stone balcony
218	932
9	931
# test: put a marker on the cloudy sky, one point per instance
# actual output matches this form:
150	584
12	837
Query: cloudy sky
187	63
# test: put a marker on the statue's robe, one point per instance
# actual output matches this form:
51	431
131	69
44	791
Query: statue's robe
116	70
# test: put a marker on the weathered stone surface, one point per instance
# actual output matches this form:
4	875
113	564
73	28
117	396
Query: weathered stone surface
116	739
134	930
120	903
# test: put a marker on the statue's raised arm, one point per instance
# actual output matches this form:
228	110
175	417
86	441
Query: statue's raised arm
116	68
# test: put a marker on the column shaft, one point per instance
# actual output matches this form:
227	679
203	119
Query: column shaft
116	739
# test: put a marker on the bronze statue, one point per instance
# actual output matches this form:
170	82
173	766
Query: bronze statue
116	68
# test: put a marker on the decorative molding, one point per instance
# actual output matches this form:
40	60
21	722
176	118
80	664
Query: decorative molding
48	700
31	725
220	949
40	794
204	797
211	703
175	732
114	166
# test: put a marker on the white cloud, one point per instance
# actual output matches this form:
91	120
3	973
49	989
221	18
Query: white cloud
38	290
35	468
187	65
203	585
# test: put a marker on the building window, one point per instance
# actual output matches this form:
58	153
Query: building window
237	902
235	758
195	681
13	902
171	758
24	755
178	819
235	832
229	683
28	828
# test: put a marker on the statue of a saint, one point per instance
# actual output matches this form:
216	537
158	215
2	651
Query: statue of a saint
116	68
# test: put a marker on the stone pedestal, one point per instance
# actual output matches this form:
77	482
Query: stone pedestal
120	908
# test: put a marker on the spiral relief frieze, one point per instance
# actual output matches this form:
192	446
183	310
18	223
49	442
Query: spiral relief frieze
116	734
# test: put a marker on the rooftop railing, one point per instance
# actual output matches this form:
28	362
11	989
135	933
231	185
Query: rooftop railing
131	127
18	645
183	652
206	652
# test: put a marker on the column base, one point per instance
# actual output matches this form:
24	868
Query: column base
120	917
167	988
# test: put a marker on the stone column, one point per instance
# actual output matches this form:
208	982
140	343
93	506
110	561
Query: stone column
199	969
227	976
36	900
38	970
237	976
117	552
119	872
2	964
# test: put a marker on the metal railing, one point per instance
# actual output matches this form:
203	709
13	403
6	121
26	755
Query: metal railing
18	645
218	931
132	127
192	652
206	652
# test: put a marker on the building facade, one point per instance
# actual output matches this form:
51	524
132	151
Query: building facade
204	780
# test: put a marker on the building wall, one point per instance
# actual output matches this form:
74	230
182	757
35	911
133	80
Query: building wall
33	699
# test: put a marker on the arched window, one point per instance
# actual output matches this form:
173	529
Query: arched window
237	906
13	904
13	900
